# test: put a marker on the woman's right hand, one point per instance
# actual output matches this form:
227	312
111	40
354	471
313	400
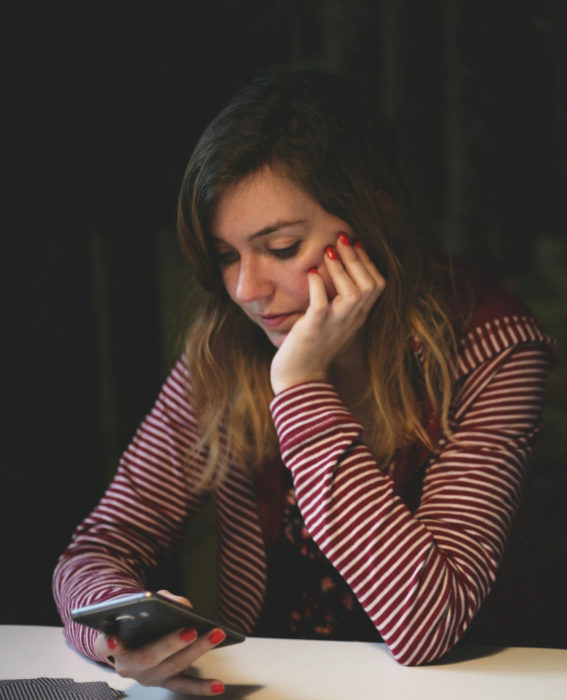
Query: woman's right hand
331	322
163	662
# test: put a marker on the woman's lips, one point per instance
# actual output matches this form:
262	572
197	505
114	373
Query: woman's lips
275	320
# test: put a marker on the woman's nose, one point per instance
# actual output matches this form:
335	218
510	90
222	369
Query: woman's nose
253	282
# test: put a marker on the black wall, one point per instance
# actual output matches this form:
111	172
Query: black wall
105	101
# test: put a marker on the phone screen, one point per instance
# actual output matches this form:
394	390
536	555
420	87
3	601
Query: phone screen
142	618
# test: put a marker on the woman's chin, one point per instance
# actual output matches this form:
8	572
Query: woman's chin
276	337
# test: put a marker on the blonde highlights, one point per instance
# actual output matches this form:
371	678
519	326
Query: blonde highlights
329	138
229	366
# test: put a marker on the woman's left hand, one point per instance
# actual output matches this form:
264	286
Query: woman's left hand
329	325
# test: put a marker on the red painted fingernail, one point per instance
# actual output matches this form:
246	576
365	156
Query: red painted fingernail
188	635
331	252
344	239
359	245
111	642
217	688
313	270
216	636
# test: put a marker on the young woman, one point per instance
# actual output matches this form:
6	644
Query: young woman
364	410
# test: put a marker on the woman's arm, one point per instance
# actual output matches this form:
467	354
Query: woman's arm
420	577
139	518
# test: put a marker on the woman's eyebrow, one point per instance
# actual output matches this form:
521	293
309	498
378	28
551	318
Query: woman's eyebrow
271	228
276	227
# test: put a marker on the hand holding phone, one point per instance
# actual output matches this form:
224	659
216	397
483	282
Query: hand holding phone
142	618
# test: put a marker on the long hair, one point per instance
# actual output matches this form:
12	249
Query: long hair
328	137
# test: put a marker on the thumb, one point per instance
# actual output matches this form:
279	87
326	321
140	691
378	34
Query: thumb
176	598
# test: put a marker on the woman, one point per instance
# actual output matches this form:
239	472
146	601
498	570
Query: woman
364	411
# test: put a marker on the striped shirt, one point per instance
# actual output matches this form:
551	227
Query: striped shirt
421	575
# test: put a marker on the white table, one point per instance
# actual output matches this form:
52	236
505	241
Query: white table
277	669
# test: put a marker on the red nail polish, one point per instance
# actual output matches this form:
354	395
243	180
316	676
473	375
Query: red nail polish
359	245
344	239
217	688
188	635
313	270
331	252
216	636
111	642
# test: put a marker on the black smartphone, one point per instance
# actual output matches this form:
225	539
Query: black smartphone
142	618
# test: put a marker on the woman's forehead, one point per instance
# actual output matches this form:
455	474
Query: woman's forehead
259	202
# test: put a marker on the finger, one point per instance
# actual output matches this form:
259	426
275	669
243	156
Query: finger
151	660
194	686
363	272
360	285
364	257
177	662
107	647
336	269
318	299
349	276
176	598
357	262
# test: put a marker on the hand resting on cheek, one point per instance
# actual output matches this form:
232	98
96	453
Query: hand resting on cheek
329	325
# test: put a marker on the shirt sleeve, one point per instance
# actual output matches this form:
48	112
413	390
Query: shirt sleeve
139	518
421	577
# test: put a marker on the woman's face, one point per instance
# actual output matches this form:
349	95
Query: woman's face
268	234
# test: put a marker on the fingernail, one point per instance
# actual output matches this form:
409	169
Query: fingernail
188	635
111	642
313	270
217	688
331	252
216	636
344	239
359	245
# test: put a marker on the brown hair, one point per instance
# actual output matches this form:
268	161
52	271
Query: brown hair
328	136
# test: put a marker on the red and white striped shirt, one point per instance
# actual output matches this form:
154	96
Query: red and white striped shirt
421	575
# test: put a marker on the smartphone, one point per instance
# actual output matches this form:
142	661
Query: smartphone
142	618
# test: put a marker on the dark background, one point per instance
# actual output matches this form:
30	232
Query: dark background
105	101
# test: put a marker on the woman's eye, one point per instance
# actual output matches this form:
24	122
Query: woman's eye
226	257
284	253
